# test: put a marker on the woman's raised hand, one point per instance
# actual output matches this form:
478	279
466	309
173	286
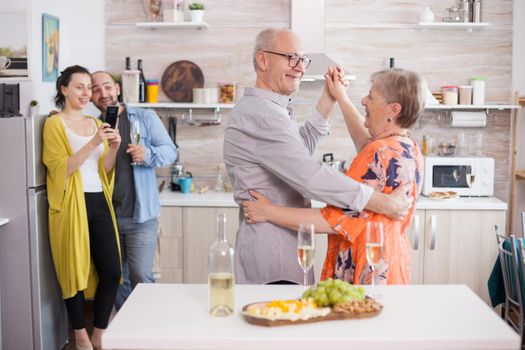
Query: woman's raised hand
258	210
105	132
336	83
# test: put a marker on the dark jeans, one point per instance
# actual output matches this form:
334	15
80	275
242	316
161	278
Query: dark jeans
104	253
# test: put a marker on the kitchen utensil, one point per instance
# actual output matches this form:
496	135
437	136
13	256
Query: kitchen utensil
340	165
454	15
179	79
466	6
177	171
476	11
185	184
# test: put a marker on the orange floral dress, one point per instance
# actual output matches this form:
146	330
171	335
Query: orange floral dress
383	164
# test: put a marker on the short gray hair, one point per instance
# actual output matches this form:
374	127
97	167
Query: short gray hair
265	40
404	87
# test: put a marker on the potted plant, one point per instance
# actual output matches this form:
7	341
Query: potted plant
196	12
34	108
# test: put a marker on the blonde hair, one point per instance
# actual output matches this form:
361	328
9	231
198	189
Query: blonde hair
404	87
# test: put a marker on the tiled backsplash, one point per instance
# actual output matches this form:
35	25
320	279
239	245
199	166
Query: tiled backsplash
362	35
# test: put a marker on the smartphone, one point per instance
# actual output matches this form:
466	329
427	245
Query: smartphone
111	116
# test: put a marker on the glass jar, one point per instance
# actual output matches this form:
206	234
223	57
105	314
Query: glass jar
220	272
227	92
450	95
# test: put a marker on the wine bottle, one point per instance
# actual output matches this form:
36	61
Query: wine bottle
391	62
142	83
128	63
220	272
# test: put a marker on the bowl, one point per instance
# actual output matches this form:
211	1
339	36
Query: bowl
446	149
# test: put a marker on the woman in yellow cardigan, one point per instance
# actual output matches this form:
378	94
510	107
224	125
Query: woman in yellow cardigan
79	153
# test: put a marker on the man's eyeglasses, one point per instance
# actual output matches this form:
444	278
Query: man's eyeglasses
293	59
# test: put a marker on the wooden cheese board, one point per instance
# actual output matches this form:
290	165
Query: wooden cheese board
331	316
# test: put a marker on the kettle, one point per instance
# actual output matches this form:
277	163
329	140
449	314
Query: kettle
340	165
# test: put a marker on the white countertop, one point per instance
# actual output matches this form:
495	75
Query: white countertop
175	316
225	199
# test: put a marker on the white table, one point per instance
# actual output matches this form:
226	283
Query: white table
423	317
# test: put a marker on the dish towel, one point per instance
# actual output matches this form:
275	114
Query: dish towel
495	284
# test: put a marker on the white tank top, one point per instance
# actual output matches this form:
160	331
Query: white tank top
89	169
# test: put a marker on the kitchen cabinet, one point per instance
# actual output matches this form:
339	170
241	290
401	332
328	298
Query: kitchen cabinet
187	233
199	230
171	248
455	247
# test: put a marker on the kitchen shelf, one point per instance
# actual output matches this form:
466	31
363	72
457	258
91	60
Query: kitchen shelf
469	26
520	174
487	107
310	78
179	105
172	25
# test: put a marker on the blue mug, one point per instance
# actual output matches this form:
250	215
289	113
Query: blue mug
185	184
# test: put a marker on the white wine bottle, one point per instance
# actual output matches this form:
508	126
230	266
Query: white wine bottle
220	272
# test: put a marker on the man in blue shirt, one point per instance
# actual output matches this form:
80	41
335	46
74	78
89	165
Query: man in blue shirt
135	195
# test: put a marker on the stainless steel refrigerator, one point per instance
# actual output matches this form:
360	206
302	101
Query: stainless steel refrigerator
32	312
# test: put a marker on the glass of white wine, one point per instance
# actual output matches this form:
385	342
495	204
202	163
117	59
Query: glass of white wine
470	177
134	133
306	248
374	250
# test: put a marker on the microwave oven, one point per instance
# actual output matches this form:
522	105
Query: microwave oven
453	174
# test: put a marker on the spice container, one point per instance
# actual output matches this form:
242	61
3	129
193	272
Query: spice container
227	92
450	95
478	90
425	145
152	90
465	95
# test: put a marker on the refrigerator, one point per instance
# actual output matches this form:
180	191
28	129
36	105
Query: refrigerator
32	311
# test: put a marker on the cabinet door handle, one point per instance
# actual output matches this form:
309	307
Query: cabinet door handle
416	232
3	221
433	232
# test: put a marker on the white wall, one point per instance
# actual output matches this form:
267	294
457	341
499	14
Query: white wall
81	41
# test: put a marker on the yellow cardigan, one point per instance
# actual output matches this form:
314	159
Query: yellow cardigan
68	225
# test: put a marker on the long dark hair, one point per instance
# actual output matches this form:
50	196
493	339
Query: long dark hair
63	80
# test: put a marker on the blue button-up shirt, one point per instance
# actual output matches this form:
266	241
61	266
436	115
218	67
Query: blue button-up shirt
160	152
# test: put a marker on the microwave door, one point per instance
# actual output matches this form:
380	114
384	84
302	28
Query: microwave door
450	177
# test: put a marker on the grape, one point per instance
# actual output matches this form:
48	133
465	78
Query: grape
332	292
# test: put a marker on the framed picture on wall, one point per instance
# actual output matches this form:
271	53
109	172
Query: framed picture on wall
14	45
50	36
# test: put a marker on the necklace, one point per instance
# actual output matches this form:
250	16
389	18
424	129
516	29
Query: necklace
406	134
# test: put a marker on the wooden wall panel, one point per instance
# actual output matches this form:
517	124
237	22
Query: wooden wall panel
362	35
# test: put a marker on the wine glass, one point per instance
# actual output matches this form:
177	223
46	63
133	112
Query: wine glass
470	177
374	250
306	248
134	133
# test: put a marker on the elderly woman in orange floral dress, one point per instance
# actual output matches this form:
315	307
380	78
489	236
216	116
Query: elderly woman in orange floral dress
387	158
